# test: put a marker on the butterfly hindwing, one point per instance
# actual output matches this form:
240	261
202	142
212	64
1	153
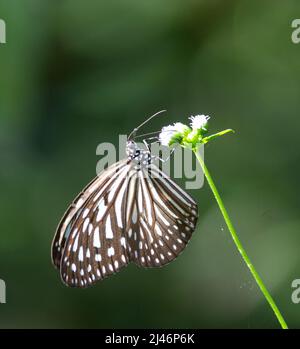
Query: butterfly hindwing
164	221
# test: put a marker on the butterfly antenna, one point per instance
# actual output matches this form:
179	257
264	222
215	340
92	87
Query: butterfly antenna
143	123
147	134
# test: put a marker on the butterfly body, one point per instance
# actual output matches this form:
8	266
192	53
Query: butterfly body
131	212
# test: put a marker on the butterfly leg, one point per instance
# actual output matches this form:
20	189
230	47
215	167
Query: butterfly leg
168	158
154	156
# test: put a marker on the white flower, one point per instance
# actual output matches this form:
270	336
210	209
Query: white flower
169	133
180	127
199	121
166	135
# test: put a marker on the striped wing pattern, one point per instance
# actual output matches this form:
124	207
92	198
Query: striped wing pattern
123	215
80	227
165	220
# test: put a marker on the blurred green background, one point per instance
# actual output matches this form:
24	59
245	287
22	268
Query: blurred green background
77	73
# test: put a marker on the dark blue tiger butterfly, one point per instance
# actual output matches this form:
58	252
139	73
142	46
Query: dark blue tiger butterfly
131	212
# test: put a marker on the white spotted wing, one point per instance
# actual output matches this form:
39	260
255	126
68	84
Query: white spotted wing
126	214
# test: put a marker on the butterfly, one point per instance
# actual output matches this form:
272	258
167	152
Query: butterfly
131	212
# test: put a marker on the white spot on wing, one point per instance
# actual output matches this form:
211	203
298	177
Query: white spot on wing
85	213
134	215
123	243
161	216
157	229
97	242
147	200
88	254
80	255
85	224
110	251
108	231
101	210
118	205
75	244
79	203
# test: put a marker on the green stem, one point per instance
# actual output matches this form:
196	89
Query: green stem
211	137
238	243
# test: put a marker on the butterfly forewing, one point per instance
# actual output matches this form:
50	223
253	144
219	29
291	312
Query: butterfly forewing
97	247
73	220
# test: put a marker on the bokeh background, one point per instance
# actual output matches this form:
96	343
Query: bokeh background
76	73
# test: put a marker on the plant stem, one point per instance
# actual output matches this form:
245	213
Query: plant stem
238	242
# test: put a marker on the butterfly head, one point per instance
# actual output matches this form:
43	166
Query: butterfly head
137	154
